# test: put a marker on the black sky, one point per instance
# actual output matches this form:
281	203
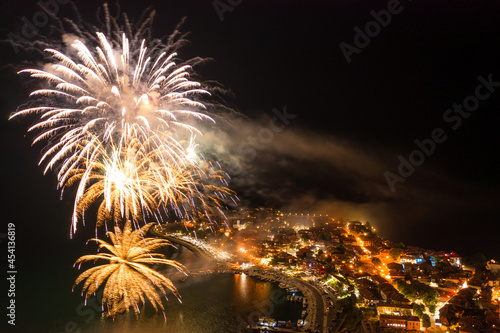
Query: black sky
352	120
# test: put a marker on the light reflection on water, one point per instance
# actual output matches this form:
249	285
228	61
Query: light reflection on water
209	304
212	303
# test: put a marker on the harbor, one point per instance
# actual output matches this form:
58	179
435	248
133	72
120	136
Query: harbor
297	291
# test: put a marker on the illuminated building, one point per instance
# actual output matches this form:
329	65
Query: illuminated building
409	323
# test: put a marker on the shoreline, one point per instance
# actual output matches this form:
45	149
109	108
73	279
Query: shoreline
307	289
277	277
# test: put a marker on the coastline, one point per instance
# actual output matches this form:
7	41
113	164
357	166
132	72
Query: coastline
307	289
302	286
316	302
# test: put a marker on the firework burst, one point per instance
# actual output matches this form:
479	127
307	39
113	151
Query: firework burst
127	277
106	95
133	183
119	116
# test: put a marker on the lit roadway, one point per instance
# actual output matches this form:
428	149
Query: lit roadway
321	317
176	240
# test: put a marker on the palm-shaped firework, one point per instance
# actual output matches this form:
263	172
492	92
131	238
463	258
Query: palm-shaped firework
128	278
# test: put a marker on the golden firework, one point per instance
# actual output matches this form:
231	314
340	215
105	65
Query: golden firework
127	278
131	183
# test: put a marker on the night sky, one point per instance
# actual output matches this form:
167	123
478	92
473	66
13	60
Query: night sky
348	122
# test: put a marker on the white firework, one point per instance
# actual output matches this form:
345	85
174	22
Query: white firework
107	95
